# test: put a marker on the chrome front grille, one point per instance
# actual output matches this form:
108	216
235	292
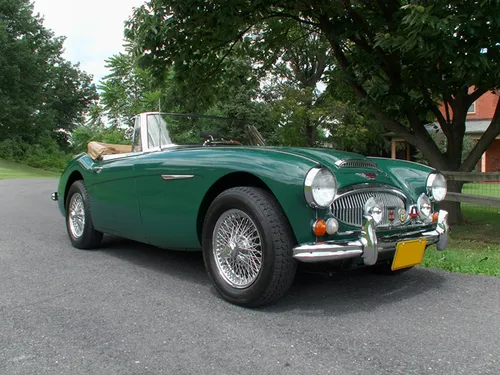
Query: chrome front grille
356	163
348	207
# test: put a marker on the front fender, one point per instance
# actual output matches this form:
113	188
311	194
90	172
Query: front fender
407	175
81	163
285	178
282	173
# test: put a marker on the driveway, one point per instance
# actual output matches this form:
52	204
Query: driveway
129	308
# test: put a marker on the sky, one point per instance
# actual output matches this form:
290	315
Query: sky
93	29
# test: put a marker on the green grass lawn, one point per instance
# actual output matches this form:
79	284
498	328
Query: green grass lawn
9	170
489	190
473	248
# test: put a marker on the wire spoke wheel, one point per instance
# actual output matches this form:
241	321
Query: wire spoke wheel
79	223
237	248
76	215
247	247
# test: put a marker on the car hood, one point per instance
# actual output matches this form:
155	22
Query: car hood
349	168
329	157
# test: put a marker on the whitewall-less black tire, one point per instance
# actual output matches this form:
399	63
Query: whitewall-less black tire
247	247
79	218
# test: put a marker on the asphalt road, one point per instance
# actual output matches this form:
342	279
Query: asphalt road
134	309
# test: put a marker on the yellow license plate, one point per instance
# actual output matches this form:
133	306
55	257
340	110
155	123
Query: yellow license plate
408	253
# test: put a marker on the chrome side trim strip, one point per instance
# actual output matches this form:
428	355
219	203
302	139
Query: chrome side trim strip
168	177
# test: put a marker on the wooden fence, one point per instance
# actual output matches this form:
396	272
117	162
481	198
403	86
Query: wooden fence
473	177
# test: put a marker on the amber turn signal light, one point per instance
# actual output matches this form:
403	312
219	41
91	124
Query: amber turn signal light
319	227
435	216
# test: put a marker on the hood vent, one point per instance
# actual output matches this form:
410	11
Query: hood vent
356	163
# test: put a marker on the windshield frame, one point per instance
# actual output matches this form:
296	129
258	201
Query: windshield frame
165	141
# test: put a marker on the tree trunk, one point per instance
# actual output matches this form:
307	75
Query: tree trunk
311	134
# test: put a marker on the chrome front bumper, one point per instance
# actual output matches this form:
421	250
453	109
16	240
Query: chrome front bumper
368	246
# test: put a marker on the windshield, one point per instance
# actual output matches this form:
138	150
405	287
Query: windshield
157	132
168	129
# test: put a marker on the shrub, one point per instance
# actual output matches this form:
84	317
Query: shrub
44	154
84	134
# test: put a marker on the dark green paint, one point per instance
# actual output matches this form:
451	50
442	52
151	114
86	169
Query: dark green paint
129	197
410	177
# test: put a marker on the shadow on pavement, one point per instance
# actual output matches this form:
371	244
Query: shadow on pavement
354	291
186	265
320	293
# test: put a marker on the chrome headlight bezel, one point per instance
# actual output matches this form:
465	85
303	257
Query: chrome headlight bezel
435	181
314	178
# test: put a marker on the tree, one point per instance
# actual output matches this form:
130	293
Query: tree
130	89
401	58
42	96
296	70
127	90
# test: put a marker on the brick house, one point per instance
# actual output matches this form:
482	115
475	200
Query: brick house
478	119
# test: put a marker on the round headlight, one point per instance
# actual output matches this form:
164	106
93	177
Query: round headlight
374	207
424	208
320	187
436	186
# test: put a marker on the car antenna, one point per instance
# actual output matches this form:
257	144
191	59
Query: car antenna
159	126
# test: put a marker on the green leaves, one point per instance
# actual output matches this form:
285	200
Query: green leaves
40	92
400	59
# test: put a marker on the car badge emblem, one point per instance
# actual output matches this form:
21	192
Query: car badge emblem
391	215
402	214
369	176
413	212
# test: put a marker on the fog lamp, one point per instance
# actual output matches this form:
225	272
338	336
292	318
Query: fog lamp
374	207
424	208
332	226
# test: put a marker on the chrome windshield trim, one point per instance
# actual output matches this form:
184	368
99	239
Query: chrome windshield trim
168	177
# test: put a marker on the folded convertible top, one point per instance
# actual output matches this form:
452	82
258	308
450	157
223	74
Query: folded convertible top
97	149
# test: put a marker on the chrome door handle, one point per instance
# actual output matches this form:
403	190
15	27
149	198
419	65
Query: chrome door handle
96	169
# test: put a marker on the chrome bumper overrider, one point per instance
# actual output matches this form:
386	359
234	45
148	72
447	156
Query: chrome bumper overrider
368	246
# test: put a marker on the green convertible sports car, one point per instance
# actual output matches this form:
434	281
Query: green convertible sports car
255	211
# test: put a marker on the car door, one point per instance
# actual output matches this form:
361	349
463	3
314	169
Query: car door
166	188
113	193
114	198
169	198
